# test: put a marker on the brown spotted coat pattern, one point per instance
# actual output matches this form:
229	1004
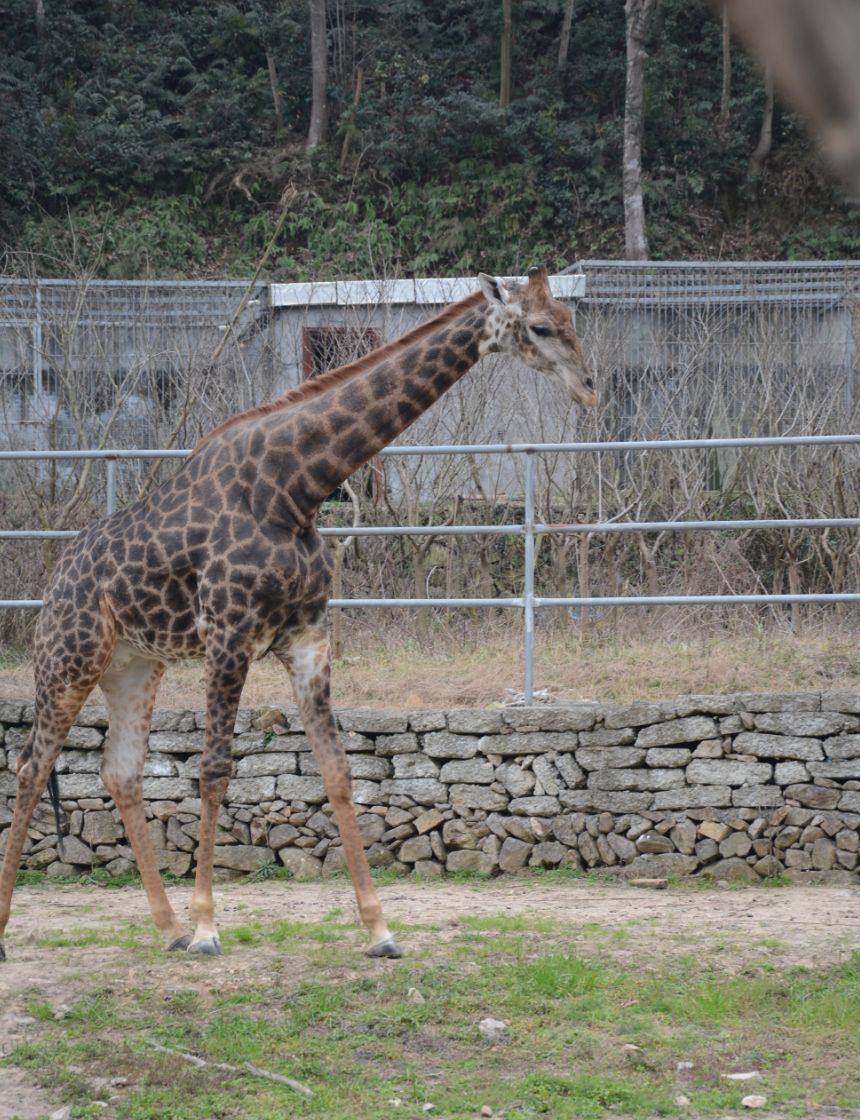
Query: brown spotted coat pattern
223	562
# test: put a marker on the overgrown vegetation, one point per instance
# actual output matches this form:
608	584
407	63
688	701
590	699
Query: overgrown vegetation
158	139
594	1027
459	658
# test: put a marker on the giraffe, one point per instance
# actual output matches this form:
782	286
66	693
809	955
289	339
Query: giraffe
223	562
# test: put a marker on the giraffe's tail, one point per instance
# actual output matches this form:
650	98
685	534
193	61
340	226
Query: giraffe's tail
54	795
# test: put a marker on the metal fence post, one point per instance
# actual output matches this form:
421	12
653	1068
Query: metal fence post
529	584
110	479
39	403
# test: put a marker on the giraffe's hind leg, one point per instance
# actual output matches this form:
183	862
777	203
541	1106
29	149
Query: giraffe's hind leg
308	663
68	664
129	688
226	669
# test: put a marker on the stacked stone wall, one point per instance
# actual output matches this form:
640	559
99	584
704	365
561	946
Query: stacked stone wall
743	786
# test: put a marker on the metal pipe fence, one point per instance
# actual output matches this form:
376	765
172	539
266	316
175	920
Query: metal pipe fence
528	528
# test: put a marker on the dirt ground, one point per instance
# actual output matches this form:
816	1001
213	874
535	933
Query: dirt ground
812	926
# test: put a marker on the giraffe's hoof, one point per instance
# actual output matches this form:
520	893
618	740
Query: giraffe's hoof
388	947
2	952
208	947
180	944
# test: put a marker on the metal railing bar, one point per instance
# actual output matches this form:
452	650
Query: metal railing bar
488	448
517	530
529	585
487	602
37	534
109	285
685	526
107	453
682	600
110	485
528	603
575	601
622	445
705	266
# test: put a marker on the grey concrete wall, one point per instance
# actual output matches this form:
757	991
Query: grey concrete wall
739	786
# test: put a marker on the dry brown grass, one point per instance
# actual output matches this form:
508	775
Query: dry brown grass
473	662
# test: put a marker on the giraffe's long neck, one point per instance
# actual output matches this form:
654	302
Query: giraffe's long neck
331	435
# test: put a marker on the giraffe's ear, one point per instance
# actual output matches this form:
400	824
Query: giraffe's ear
495	290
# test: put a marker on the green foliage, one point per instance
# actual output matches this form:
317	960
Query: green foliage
589	1097
828	239
141	139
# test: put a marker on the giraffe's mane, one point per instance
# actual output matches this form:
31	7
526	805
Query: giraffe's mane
316	386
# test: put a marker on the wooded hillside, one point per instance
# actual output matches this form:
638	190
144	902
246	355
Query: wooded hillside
167	138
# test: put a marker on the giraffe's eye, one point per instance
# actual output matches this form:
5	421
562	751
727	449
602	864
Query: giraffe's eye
541	332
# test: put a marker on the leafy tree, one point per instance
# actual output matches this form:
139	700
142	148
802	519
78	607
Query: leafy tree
160	136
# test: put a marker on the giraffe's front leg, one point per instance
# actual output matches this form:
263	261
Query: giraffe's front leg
129	687
226	669
308	663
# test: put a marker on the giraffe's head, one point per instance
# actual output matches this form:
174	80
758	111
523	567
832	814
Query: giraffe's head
526	321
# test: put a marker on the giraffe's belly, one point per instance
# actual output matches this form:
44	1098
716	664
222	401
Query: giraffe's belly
161	636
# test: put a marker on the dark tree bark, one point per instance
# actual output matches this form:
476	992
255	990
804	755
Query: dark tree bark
505	62
564	37
726	91
276	96
319	75
349	124
765	136
638	19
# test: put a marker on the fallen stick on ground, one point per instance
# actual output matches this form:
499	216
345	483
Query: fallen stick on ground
246	1067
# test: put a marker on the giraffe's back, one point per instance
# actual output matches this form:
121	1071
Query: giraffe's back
192	555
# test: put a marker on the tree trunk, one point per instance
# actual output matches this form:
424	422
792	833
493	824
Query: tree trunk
39	17
505	65
726	92
276	96
564	38
638	16
319	75
349	125
765	136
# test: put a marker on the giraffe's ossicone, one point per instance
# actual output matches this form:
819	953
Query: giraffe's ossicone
223	562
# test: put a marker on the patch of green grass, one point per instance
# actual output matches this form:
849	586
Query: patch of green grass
97	1010
588	1097
33	879
125	937
286	930
354	1035
769	943
467	877
101	878
508	923
270	870
96	877
553	977
76	938
564	874
251	933
829	1002
40	1009
773	881
383	876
